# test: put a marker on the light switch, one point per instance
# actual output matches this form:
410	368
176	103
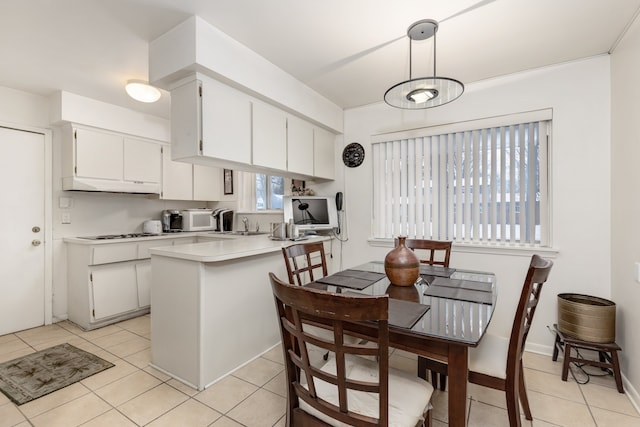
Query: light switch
66	217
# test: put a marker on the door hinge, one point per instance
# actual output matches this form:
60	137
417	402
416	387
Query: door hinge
200	146
75	135
91	277
200	91
75	170
93	313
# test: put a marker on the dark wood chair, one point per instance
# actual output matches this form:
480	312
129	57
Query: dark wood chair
497	362
302	260
348	389
439	253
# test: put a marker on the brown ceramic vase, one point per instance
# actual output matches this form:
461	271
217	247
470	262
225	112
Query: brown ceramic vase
402	265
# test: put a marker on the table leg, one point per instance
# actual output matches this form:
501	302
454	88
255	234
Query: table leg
458	373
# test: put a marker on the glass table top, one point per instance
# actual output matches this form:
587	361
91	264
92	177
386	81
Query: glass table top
460	306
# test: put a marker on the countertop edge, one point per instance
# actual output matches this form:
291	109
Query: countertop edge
225	250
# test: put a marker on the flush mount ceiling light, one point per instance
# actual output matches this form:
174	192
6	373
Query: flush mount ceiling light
423	92
142	91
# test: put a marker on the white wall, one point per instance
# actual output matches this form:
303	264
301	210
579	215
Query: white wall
579	94
625	290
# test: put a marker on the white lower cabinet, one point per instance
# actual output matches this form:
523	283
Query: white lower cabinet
143	280
110	282
114	289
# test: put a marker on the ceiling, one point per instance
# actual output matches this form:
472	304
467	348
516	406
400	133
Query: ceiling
350	51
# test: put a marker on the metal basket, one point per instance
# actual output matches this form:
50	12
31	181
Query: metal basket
587	318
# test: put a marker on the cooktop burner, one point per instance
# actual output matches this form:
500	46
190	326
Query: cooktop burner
119	236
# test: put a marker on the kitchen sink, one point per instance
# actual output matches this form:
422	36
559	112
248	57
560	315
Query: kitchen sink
249	233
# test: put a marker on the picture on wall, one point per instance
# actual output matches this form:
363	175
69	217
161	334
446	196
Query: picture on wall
228	181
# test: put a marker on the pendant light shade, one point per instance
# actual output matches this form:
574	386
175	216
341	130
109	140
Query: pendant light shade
423	92
142	91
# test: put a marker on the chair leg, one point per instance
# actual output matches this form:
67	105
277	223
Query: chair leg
524	400
513	407
443	381
434	379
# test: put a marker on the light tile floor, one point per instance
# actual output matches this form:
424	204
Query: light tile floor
134	394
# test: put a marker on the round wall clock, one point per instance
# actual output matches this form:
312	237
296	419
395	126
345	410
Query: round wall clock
353	155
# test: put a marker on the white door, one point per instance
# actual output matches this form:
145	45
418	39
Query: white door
22	255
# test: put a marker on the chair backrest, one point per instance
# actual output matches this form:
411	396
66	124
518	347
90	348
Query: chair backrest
298	306
442	248
537	274
302	260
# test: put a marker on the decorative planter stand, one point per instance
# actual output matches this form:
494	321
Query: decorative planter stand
608	355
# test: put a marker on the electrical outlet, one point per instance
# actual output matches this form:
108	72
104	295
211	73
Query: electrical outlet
66	217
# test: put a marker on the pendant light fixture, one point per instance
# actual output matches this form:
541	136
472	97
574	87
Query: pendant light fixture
423	92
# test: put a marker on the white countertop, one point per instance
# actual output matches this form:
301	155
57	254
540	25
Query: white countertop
222	250
212	234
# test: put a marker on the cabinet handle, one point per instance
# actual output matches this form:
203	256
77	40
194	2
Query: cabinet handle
36	242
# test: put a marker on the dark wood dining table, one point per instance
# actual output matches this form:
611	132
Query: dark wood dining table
461	304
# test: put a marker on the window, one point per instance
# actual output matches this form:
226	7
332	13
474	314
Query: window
269	192
476	182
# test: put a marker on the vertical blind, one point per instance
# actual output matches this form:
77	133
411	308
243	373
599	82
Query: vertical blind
476	182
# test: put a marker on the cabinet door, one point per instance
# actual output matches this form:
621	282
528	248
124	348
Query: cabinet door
98	154
143	280
299	146
177	178
323	150
269	136
142	161
206	183
114	289
226	122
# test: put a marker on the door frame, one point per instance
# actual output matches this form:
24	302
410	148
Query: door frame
48	212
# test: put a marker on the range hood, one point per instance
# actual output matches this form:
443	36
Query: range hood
109	186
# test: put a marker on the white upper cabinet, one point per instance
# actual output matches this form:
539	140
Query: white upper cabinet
207	183
210	119
226	122
323	154
177	178
299	146
269	136
216	124
98	155
100	160
184	181
141	160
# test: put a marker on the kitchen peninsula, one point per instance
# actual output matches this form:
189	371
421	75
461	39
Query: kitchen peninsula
212	306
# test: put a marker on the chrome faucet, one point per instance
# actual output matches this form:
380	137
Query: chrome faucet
245	221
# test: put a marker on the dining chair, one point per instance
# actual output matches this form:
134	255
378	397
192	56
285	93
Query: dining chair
357	387
302	260
497	361
439	253
439	250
